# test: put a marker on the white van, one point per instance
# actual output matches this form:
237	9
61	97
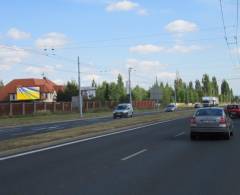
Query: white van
123	110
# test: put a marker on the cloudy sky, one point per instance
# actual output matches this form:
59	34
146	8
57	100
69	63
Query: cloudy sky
156	38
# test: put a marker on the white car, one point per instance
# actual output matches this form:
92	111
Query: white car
123	110
170	108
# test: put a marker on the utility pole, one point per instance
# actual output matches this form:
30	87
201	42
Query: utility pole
79	88
129	85
176	85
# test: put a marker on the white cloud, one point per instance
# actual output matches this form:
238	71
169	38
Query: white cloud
59	81
146	49
145	65
11	55
52	40
181	26
90	77
166	75
126	5
178	48
40	70
142	12
17	34
184	48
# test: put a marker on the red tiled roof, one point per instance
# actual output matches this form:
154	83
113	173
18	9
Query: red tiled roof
46	86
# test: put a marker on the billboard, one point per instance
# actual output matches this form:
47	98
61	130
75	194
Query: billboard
28	93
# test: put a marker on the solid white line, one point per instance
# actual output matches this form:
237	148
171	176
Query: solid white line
53	127
182	133
81	140
133	155
39	128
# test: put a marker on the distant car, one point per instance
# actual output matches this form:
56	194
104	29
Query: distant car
197	105
123	110
170	108
233	110
213	120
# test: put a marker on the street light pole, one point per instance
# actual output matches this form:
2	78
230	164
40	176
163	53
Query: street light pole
129	85
79	88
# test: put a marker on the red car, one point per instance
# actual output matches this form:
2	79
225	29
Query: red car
233	110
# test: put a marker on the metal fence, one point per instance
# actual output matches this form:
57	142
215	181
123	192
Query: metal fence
27	108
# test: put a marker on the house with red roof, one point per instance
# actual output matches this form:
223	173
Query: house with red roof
45	89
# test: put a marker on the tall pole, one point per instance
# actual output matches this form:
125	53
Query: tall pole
176	85
79	87
129	84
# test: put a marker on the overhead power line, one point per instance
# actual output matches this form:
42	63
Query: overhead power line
236	36
225	32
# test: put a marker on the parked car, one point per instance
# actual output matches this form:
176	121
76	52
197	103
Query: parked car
211	121
197	105
170	108
233	110
123	110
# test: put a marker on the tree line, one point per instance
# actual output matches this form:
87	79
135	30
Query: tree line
194	91
190	92
106	91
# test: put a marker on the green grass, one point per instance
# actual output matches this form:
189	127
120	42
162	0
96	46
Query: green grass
46	117
16	144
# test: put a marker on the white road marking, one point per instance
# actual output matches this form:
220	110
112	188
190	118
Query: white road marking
53	127
38	128
19	133
179	134
133	155
81	140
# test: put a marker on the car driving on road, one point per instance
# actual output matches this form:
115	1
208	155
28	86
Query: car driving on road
233	110
207	121
197	105
123	110
170	108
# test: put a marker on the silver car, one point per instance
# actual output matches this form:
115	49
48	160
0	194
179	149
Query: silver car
207	121
123	110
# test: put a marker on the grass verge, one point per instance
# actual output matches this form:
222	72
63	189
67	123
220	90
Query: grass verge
48	117
25	143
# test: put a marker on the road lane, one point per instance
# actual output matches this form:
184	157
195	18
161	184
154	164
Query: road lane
13	132
171	165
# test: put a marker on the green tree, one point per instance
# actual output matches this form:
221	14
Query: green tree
215	90
120	89
225	91
70	90
198	91
139	93
206	85
190	93
168	94
102	92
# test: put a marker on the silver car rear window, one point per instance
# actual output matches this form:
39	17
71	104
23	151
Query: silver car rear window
209	112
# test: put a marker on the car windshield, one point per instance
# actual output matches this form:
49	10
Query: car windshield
122	107
170	106
205	101
209	112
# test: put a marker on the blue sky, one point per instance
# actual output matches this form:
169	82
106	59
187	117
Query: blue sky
156	38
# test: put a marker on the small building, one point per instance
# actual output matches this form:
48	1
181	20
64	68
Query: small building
30	90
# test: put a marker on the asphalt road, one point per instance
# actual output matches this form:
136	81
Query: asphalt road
13	132
158	159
